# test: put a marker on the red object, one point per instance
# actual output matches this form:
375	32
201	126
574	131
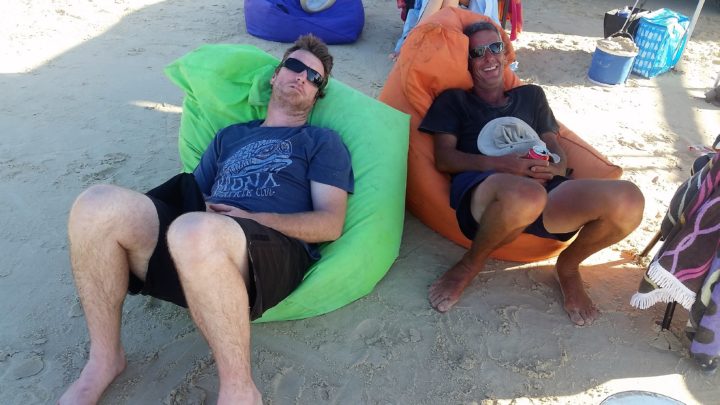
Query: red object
511	10
537	152
403	9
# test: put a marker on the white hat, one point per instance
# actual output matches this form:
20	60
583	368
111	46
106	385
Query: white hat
506	135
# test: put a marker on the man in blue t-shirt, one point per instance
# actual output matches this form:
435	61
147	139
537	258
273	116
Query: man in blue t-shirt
498	196
228	241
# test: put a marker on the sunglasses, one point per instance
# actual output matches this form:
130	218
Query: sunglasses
298	67
479	52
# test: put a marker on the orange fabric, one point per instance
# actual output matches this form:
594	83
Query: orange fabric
433	59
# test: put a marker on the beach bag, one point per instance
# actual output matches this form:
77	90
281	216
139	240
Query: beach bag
661	40
339	22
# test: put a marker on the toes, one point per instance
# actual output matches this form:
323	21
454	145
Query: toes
576	318
438	302
443	304
583	317
590	315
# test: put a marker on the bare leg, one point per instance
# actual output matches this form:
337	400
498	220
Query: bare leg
435	5
111	231
503	205
607	211
211	257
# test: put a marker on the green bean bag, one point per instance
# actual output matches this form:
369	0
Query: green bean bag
226	84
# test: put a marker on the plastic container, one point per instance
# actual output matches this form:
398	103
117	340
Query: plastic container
612	61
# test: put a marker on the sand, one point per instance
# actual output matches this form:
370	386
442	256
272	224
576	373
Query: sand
84	101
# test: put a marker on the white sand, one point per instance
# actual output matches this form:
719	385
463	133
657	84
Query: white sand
84	100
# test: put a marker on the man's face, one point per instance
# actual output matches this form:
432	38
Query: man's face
294	88
487	70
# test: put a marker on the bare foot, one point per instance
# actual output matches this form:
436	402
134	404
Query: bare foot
446	290
578	304
242	397
94	379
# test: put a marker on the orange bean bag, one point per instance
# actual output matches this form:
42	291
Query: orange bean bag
434	58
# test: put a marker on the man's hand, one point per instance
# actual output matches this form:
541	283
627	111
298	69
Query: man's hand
324	223
536	169
229	210
545	170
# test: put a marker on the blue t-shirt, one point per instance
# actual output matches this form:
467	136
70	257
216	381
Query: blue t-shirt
269	169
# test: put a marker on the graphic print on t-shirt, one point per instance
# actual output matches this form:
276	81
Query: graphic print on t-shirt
251	170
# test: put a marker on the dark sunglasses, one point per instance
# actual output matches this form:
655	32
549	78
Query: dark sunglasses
479	52
298	67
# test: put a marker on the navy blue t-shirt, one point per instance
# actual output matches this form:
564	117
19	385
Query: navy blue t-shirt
269	169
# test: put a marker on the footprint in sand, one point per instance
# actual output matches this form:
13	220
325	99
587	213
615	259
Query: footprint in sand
92	172
22	365
370	344
11	169
287	386
534	359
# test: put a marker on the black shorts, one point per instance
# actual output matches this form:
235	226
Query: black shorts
277	262
461	194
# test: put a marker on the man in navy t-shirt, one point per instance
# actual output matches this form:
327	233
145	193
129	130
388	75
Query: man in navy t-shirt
498	196
228	241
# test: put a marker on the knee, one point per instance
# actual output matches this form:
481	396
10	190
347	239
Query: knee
198	236
630	197
90	203
525	200
520	200
629	204
191	232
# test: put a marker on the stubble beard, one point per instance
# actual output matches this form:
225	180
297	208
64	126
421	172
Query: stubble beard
292	102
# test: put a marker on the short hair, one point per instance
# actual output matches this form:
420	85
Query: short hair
317	47
469	30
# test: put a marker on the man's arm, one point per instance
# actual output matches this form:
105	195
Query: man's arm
324	223
450	160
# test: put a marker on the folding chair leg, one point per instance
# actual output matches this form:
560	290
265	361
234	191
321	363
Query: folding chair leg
667	319
650	245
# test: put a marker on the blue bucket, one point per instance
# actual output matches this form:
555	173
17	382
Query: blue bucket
610	66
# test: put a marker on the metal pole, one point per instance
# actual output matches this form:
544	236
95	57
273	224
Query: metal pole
691	27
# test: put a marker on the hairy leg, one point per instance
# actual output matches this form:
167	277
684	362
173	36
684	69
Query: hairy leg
607	211
210	254
111	230
503	205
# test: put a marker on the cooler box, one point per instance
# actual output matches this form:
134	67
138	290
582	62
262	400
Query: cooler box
661	40
612	61
614	22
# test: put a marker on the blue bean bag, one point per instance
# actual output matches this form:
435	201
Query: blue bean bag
225	84
286	20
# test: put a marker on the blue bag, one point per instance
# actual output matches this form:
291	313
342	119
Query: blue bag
661	40
286	20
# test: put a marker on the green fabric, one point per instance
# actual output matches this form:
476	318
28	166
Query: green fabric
226	84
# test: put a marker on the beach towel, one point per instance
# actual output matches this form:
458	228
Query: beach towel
686	269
